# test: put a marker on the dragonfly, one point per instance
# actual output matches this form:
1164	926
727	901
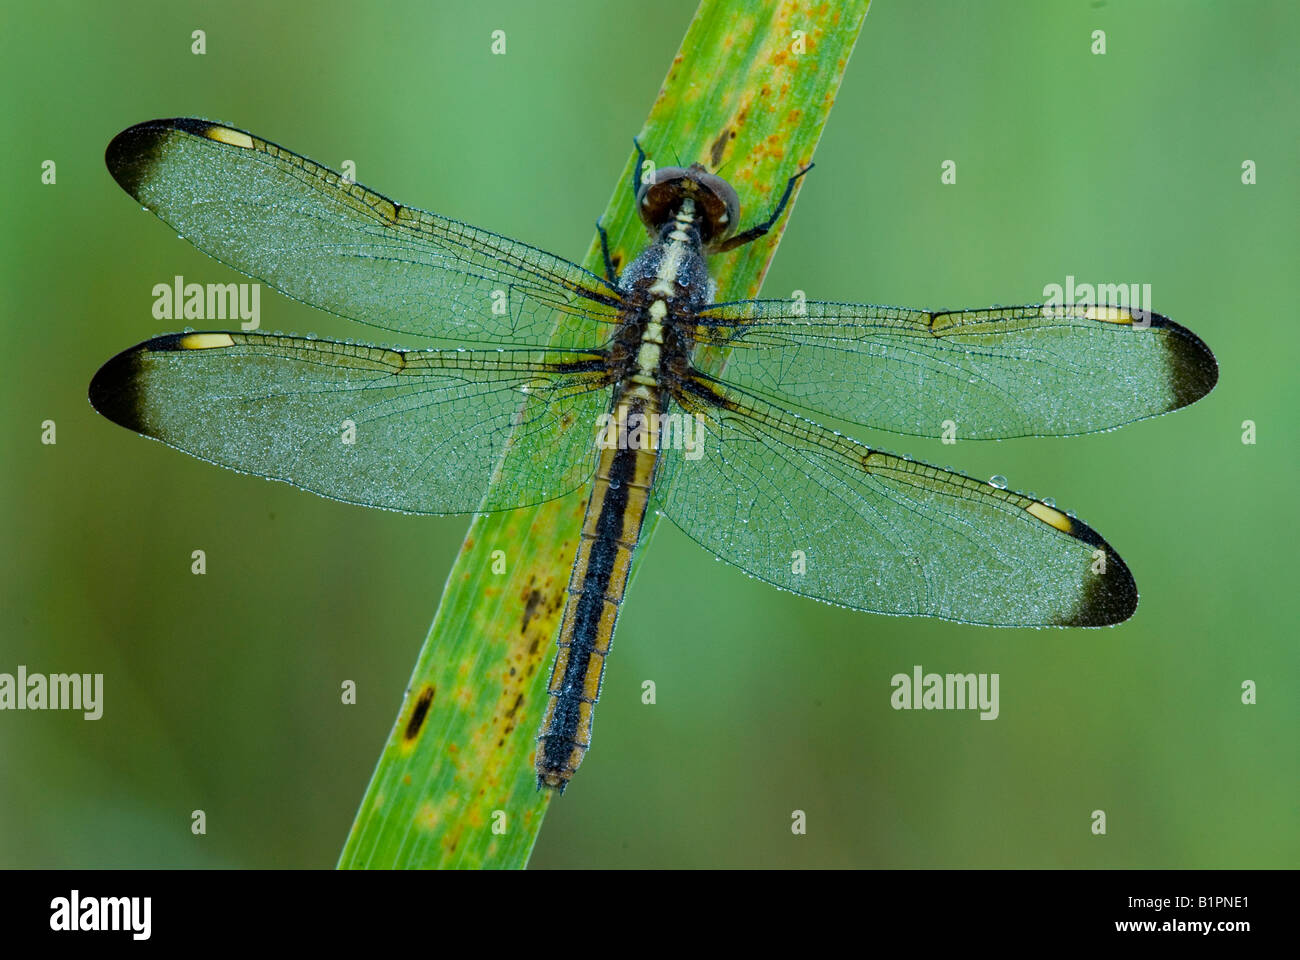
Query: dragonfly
734	460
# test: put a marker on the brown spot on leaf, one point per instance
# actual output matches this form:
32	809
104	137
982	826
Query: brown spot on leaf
719	146
419	712
530	608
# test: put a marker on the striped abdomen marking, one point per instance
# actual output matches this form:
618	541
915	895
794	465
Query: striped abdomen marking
610	532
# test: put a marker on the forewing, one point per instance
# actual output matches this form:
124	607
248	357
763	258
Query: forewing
826	517
417	431
311	234
977	374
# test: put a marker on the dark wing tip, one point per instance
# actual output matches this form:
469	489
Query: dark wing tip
1193	370
1112	597
115	389
1109	597
135	150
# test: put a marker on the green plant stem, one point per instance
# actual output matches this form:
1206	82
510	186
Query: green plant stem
750	89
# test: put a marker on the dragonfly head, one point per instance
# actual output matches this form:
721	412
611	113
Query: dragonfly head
717	208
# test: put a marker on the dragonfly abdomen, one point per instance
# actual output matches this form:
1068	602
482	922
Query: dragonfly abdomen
610	531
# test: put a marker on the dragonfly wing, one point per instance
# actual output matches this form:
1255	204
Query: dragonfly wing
823	516
309	233
417	431
980	374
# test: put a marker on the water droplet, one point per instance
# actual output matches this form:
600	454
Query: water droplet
999	481
1049	502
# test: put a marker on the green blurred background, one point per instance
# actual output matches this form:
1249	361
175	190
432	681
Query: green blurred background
222	691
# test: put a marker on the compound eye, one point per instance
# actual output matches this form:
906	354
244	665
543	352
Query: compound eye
721	206
664	177
656	200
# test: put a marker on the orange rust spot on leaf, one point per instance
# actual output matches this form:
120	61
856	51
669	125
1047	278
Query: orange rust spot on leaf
426	817
451	840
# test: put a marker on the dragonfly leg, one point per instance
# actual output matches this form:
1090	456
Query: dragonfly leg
610	273
636	171
756	231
